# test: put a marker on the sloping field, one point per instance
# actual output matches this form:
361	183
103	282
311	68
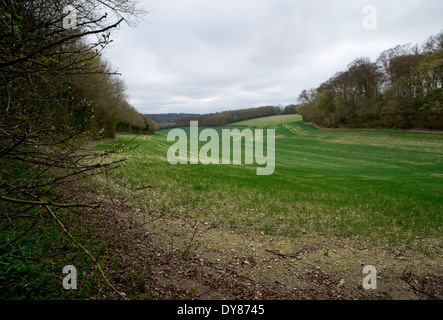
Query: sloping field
385	186
338	200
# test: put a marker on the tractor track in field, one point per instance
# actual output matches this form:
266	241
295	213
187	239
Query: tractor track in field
182	259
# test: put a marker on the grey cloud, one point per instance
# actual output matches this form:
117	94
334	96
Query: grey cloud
205	56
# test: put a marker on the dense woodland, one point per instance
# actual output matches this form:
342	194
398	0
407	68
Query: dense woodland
58	74
401	89
57	94
226	117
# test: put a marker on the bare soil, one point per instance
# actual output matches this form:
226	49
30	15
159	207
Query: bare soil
166	258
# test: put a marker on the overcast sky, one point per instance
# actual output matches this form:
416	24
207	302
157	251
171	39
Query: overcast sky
202	56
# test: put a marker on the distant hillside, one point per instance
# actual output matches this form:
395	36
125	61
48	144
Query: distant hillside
167	119
226	117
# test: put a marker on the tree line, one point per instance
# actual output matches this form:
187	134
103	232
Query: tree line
226	117
97	103
165	120
401	89
56	94
53	72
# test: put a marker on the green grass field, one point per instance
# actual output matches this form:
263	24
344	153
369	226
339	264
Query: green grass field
382	186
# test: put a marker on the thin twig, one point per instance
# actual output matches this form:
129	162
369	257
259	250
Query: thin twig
54	216
433	297
39	203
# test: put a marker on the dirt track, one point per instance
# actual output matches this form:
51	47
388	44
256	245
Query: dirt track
184	260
